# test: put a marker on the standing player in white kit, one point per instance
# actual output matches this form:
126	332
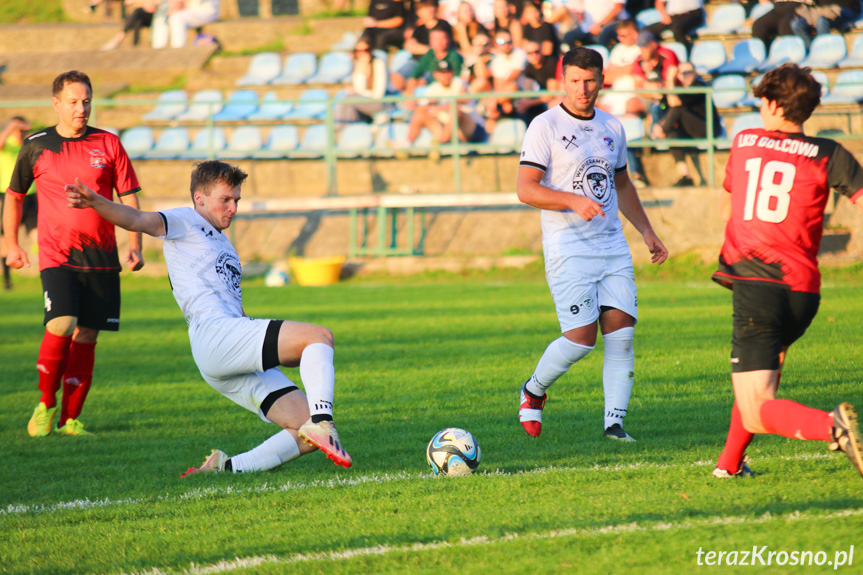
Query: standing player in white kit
237	355
573	168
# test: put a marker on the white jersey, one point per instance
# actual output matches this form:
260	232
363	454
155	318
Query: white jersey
579	156
203	267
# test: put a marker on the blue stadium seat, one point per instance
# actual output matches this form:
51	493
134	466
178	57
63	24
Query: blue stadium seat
240	105
826	51
505	138
784	49
312	105
746	56
757	12
206	145
391	137
244	142
729	91
707	56
263	69
634	128
271	107
355	140
603	51
171	143
855	57
169	105
347	43
334	68
138	141
399	59
202	105
314	142
831	133
282	141
725	19
678	49
647	17
847	89
297	69
745	122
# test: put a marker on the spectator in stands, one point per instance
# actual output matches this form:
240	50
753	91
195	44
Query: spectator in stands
478	65
687	119
141	17
440	50
466	29
591	21
535	29
11	139
824	16
484	10
436	115
778	22
385	24
656	68
624	54
368	80
507	71
505	21
181	16
682	17
417	40
109	8
540	74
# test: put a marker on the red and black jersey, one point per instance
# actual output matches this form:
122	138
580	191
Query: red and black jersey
779	184
77	239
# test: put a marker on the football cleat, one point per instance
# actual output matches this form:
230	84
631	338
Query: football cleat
845	434
40	423
324	436
213	463
742	471
72	427
530	412
616	432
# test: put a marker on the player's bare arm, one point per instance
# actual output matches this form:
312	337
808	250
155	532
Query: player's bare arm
134	257
533	193
631	208
127	217
16	257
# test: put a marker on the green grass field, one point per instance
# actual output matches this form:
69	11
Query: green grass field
413	356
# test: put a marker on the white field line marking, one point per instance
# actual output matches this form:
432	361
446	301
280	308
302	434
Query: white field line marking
201	493
482	540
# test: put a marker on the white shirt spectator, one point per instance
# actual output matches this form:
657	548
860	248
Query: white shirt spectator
484	11
623	55
673	7
502	65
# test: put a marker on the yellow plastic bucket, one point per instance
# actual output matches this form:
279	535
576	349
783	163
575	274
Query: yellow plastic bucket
316	271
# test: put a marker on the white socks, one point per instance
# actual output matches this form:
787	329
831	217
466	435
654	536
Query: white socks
558	357
617	374
319	378
280	448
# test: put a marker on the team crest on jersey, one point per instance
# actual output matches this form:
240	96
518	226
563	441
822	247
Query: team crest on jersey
593	177
609	143
97	159
230	270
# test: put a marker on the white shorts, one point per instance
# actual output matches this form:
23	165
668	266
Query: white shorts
581	285
229	355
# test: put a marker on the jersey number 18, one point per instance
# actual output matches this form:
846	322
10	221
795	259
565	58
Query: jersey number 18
762	186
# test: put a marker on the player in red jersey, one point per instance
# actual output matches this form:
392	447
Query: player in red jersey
779	181
78	260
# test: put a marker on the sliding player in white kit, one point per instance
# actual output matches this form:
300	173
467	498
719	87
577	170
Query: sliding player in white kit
237	355
573	167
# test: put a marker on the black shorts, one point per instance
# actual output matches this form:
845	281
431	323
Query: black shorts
767	319
94	298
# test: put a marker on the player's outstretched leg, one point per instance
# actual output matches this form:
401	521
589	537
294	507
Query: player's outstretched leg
40	423
325	437
213	463
743	470
845	434
530	411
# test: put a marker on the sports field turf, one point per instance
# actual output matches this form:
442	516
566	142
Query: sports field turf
414	356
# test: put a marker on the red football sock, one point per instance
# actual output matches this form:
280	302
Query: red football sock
736	443
791	419
53	357
76	380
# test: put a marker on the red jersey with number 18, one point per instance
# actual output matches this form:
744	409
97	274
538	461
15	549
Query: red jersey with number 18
780	183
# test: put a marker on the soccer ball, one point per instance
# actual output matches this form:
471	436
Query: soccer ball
275	278
453	452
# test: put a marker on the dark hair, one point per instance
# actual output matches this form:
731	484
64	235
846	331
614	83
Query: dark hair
211	172
793	88
70	77
584	58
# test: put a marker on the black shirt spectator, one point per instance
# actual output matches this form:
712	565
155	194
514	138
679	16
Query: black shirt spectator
385	24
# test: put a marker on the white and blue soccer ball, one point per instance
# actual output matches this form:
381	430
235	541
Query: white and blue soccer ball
454	452
275	278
